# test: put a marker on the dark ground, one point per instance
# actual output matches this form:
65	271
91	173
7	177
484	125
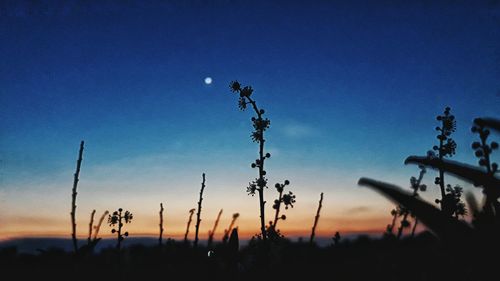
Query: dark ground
421	258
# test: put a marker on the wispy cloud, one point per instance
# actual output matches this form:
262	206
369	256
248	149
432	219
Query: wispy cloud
358	210
299	130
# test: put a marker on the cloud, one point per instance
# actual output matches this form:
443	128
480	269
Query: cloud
358	210
298	130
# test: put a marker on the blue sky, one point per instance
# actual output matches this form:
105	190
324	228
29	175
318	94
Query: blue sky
351	89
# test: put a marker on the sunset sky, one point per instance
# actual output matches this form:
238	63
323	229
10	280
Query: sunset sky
351	90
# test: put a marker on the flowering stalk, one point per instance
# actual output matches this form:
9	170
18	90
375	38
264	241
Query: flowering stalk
446	148
119	218
287	199
415	184
260	125
483	152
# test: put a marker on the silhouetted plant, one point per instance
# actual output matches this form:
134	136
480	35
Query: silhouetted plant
486	223
316	219
91	224
444	226
336	238
287	199
73	197
212	232
98	226
446	147
483	150
160	238
416	185
118	218
191	213
260	125
198	215
390	227
229	229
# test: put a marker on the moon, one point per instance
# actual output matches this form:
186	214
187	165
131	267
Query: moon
208	80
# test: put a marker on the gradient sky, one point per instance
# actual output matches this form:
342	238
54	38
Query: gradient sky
351	90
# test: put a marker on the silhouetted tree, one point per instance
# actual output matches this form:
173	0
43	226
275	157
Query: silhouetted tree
260	125
73	197
316	219
191	213
118	218
198	215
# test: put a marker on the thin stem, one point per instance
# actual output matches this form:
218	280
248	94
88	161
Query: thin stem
441	172
73	197
119	229
161	225
98	227
260	189
91	224
191	212
316	219
277	210
198	215
400	229
212	232
414	227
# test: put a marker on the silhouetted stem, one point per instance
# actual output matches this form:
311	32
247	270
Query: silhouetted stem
212	232
393	222
98	227
414	227
276	215
73	198
198	215
441	172
261	172
316	219
161	225
191	212
400	229
229	229
91	224
120	224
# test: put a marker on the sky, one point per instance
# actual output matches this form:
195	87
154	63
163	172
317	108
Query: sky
351	88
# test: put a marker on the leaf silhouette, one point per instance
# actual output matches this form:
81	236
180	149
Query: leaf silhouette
488	122
469	173
443	226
